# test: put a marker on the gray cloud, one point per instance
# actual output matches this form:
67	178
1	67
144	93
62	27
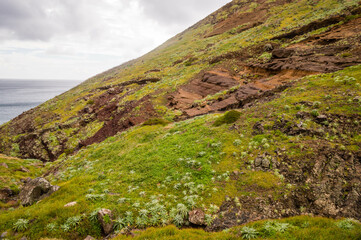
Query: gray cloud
41	19
16	17
179	12
75	39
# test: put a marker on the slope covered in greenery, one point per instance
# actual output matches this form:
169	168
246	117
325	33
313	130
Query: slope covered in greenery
163	171
138	90
156	137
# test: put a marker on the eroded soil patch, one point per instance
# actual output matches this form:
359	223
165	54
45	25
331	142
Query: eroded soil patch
331	51
248	84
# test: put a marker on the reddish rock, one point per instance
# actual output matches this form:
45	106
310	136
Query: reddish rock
282	53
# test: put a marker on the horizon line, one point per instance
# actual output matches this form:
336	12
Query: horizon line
34	79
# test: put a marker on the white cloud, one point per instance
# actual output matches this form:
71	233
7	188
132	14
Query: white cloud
67	39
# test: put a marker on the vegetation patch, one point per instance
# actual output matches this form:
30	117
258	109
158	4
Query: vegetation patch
228	118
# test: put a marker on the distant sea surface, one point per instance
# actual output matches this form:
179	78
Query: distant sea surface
18	96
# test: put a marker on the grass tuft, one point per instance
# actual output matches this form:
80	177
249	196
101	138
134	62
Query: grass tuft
228	118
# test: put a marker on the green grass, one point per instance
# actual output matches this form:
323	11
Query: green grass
156	168
296	228
172	233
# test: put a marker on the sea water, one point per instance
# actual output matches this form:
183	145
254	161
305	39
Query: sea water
18	96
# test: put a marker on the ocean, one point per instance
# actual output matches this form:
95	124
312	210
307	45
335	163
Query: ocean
18	96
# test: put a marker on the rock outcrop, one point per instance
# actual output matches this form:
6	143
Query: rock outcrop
35	190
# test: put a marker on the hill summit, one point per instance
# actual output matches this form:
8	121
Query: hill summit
252	113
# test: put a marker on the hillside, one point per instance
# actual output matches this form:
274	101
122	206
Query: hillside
253	113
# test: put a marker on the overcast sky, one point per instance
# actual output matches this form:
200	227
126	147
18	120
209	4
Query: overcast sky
76	39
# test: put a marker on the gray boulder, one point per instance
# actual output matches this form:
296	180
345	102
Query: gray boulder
263	161
197	217
105	218
35	190
266	163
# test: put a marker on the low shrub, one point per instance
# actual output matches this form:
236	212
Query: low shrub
190	61
21	225
346	224
228	118
249	233
315	113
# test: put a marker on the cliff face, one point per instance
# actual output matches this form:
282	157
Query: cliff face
253	113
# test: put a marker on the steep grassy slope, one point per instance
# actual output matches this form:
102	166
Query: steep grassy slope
150	175
230	44
151	139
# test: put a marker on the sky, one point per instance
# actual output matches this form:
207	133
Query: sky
77	39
